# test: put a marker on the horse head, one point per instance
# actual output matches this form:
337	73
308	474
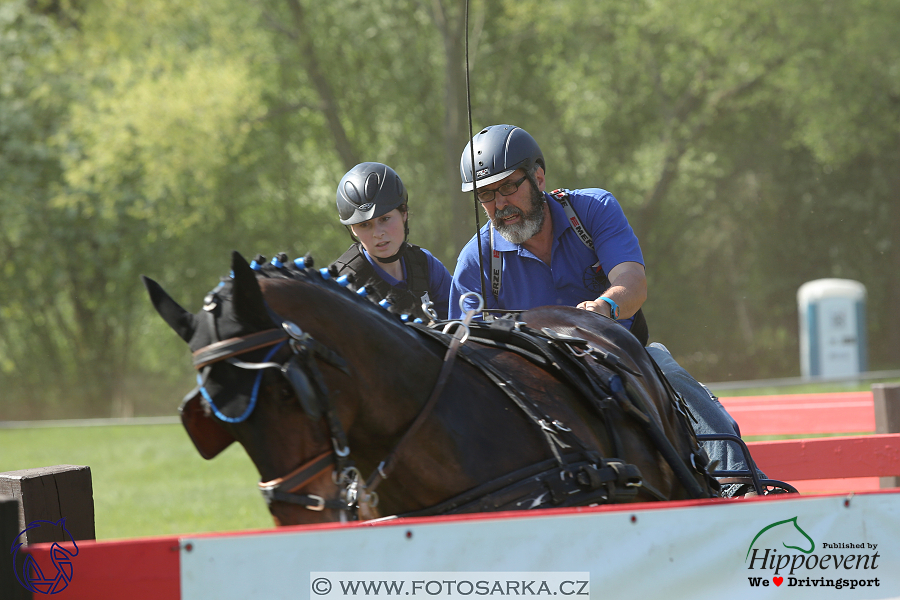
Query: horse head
245	353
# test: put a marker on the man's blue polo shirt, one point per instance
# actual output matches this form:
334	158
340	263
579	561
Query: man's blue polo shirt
527	282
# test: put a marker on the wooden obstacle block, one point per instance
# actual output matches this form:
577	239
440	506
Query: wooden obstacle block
50	494
887	417
9	529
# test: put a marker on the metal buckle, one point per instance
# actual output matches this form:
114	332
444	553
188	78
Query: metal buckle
460	324
268	494
210	302
318	507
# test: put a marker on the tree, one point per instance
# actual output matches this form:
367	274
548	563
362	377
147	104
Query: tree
753	147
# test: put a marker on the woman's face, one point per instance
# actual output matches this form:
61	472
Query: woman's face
381	236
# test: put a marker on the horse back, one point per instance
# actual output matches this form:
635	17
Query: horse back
642	379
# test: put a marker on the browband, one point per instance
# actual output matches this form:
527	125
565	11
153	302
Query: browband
231	347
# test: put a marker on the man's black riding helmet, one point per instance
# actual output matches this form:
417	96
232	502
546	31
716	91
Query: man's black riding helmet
499	150
369	190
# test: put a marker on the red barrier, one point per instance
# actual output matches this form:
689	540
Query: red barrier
842	412
820	458
138	569
828	465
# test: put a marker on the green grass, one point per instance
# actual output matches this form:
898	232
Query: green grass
147	480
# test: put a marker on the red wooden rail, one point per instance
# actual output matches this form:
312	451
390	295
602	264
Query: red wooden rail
833	464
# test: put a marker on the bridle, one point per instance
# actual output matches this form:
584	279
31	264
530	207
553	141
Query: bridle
302	372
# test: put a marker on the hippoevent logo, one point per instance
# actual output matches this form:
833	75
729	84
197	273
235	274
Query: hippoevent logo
47	580
782	553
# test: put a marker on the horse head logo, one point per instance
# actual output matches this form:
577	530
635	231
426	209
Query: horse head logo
31	576
789	533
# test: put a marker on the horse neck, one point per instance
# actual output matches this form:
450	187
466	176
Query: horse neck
391	369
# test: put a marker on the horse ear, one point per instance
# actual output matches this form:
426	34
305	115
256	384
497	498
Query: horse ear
249	305
183	322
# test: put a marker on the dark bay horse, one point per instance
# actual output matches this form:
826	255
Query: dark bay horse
332	396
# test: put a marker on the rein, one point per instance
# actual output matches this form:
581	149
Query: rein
459	337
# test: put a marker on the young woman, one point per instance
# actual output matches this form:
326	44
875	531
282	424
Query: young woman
372	203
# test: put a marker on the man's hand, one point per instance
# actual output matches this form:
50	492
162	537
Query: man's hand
598	306
628	290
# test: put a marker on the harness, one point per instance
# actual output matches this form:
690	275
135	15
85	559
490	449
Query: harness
598	377
575	476
638	326
403	301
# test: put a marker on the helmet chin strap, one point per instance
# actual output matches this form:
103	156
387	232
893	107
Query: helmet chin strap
396	256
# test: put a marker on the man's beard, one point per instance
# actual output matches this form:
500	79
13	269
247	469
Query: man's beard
529	223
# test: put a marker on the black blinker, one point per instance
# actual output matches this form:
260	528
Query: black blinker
305	392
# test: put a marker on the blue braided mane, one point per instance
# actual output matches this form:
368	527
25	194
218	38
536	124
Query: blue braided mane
302	269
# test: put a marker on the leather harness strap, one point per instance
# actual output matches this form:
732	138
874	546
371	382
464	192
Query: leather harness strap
584	478
283	489
387	465
301	474
238	345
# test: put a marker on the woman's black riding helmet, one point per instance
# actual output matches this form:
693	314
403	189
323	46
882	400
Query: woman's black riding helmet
499	150
367	191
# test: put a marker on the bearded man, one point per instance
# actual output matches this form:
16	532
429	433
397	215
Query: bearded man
570	248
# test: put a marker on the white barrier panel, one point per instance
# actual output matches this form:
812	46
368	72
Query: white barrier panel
797	548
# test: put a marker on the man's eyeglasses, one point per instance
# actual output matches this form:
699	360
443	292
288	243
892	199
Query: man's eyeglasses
507	189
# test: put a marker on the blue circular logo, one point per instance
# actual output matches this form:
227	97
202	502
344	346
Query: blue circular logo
47	580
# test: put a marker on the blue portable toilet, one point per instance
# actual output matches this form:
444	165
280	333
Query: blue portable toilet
832	328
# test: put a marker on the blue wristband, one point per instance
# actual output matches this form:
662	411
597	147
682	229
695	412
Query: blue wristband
613	307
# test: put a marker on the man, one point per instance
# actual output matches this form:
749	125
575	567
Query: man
572	248
545	259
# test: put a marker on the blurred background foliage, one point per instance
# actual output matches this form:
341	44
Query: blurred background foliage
753	146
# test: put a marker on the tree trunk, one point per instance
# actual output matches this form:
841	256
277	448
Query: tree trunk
310	61
450	20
